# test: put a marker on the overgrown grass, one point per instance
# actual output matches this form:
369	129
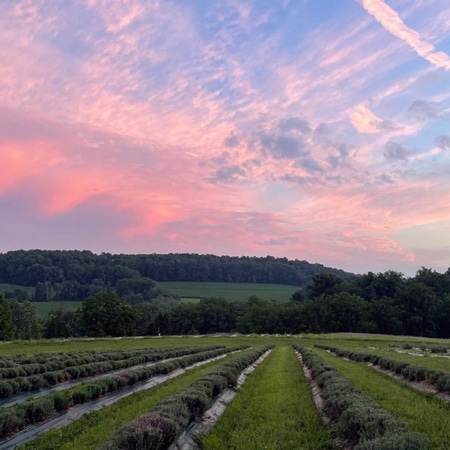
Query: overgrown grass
424	412
95	428
43	308
230	291
273	410
5	287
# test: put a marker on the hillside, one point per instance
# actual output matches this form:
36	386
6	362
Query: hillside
74	275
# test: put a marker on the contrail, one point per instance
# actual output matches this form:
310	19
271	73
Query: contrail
392	22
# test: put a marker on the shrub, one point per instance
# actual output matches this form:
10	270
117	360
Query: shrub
36	382
10	422
6	390
80	395
61	401
38	410
443	382
364	422
145	433
438	349
415	373
401	441
407	345
196	401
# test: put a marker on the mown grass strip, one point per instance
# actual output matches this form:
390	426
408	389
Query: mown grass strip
96	428
423	412
273	410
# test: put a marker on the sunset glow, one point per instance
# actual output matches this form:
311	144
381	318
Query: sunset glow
312	130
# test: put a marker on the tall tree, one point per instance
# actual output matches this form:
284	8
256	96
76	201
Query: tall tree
25	319
106	314
7	328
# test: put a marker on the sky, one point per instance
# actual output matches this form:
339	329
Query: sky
316	130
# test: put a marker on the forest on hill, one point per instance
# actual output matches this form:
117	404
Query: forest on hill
386	303
76	275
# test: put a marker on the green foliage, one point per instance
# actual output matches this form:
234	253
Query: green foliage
7	328
106	314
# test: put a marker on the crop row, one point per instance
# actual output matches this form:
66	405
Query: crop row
24	366
87	356
161	426
441	380
17	417
28	383
355	417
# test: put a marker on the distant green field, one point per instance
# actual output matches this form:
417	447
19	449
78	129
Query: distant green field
10	288
193	290
43	308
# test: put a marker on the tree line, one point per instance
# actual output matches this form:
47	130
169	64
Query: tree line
385	303
76	275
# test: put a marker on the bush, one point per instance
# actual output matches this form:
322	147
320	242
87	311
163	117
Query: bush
51	378
438	349
6	390
36	382
415	373
196	401
10	422
61	401
364	422
402	441
38	410
145	433
80	395
443	382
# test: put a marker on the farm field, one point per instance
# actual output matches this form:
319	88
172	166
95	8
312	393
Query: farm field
43	308
417	352
274	408
423	412
10	287
229	291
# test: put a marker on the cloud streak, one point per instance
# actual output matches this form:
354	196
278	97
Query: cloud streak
391	21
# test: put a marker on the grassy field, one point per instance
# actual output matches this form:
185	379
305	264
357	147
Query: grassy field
10	287
230	291
273	410
43	308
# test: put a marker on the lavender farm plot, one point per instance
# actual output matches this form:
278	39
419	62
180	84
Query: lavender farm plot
273	410
20	373
424	413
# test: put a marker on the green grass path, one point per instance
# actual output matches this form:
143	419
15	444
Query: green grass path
423	412
274	410
95	428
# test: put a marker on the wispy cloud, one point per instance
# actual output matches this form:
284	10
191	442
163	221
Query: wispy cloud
225	127
392	22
